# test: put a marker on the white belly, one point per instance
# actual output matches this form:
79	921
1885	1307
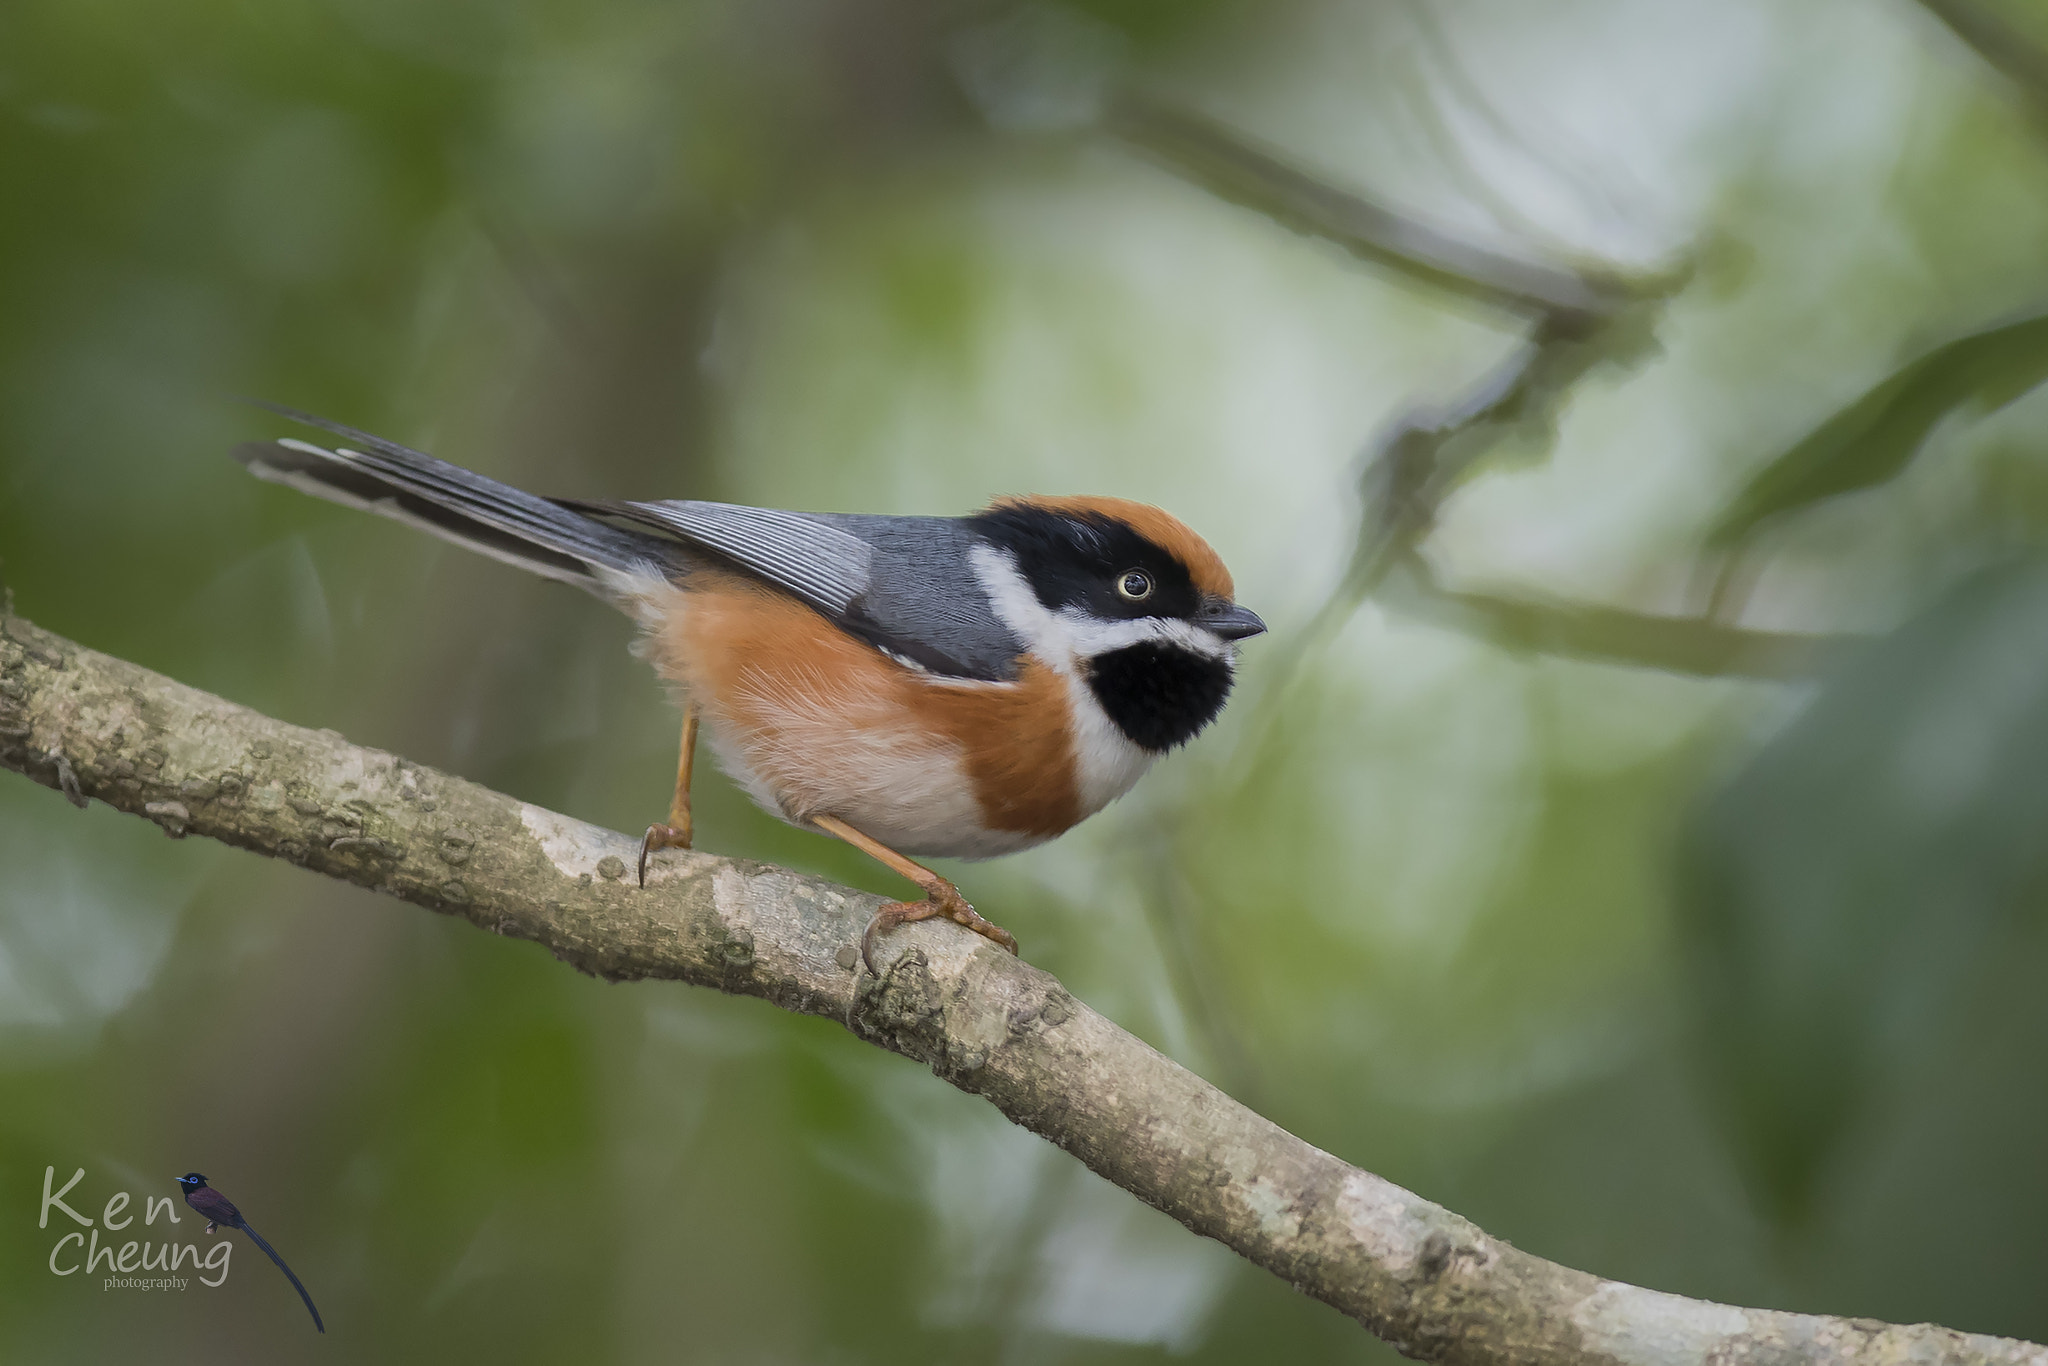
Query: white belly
825	757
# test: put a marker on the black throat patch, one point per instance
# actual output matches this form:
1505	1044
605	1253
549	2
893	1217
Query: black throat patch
1159	695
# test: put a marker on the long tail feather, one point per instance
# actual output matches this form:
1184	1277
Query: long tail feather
455	504
257	1239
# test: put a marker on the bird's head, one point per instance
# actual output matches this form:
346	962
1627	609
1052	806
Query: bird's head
1127	596
191	1181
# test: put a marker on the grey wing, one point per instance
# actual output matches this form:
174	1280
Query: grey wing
805	554
902	584
924	602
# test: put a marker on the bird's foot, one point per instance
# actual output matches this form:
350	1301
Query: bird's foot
942	898
960	913
659	837
210	1226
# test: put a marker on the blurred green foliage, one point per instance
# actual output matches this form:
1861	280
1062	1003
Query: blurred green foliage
1872	859
1724	987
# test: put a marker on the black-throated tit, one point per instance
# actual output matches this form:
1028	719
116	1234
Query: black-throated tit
961	687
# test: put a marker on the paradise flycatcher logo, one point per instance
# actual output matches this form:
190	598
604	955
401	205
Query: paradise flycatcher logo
77	1251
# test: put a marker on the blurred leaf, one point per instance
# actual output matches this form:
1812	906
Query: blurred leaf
1874	438
1840	889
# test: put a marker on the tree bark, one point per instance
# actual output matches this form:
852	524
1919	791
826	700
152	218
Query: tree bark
1429	1282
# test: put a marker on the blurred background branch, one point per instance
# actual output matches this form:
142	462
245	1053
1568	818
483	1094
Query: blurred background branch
1237	169
1583	318
1613	635
1428	1281
2016	55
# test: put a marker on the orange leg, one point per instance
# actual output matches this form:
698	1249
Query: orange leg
941	896
678	832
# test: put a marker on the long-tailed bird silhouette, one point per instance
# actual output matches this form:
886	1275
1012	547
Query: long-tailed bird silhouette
217	1209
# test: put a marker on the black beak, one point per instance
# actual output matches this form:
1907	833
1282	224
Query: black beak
1231	622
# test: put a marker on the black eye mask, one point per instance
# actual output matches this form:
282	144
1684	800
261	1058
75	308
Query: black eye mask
1077	561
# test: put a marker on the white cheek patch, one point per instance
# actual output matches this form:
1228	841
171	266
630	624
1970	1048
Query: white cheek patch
1017	607
1093	636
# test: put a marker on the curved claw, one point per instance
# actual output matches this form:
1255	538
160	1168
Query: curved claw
657	838
888	918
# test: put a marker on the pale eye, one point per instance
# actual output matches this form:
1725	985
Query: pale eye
1135	585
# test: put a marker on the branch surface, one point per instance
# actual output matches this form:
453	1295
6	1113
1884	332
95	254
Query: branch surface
1429	1282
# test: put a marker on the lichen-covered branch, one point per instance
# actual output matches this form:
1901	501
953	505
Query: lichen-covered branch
1426	1280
